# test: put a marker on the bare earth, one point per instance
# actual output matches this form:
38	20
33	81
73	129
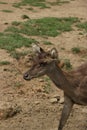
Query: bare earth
37	111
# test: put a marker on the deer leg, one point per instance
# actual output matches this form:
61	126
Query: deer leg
68	104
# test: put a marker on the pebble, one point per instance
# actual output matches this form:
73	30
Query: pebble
61	101
56	96
53	100
37	102
41	80
84	110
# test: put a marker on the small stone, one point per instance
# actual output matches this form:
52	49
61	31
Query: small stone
53	100
84	110
45	95
41	80
37	102
56	96
61	101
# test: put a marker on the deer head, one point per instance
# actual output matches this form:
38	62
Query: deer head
41	62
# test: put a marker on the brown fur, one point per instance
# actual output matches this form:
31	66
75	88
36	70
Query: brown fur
73	83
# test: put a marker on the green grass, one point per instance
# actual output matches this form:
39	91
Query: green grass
7	11
18	84
3	2
11	41
38	3
24	17
47	43
31	9
62	48
76	50
17	55
13	37
59	2
67	64
15	23
47	86
4	62
48	26
80	33
82	26
12	28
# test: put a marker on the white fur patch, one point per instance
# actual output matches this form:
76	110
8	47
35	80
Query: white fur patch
36	48
53	52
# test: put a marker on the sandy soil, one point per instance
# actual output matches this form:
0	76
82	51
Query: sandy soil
37	112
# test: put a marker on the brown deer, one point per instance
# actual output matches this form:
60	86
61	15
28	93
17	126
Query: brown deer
73	83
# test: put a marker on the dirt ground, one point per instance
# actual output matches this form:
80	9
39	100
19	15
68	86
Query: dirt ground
36	109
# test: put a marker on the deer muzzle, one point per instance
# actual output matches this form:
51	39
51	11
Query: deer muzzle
26	77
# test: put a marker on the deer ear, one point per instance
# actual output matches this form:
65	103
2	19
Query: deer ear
54	53
37	49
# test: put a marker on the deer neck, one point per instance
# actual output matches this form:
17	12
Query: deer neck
59	79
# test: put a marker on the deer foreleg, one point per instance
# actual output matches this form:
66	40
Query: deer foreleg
68	104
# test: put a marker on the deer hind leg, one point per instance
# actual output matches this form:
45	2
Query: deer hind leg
68	104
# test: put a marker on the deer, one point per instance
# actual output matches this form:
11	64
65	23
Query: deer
72	83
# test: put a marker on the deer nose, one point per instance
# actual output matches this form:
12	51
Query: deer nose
25	76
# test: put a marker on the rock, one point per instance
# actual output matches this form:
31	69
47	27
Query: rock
37	102
84	110
61	101
53	100
56	96
41	80
8	110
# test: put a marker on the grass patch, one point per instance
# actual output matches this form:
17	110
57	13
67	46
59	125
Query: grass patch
80	33
15	23
4	62
47	86
7	11
62	48
47	43
18	84
67	64
2	2
13	29
31	9
82	26
48	26
24	17
17	55
38	3
17	5
76	50
59	2
12	41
